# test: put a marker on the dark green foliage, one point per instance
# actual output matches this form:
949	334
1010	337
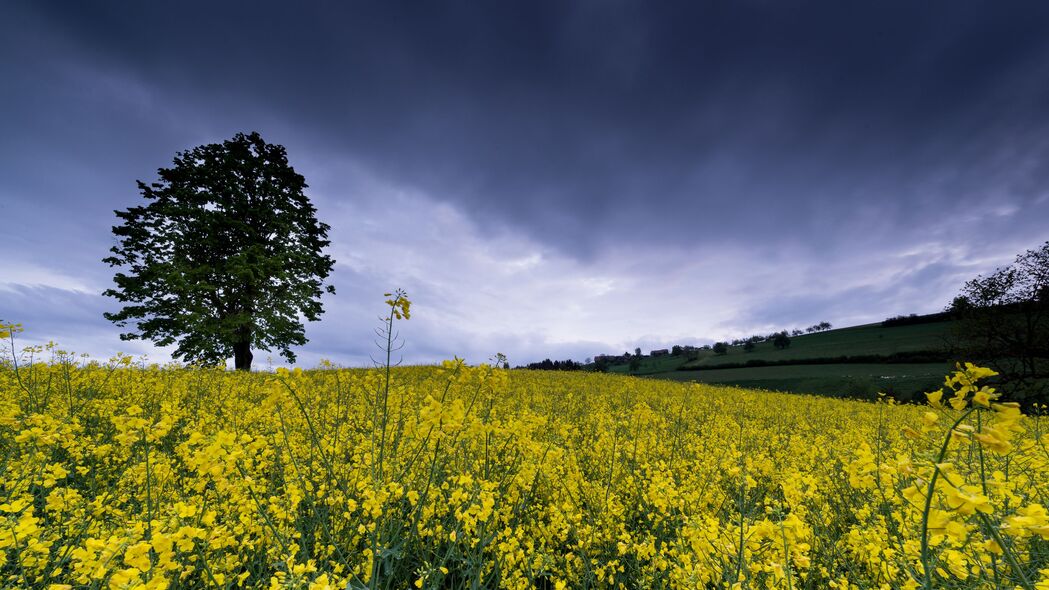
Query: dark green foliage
914	319
720	348
1005	324
781	340
748	346
226	255
549	365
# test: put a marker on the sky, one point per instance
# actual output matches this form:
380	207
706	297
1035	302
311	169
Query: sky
544	178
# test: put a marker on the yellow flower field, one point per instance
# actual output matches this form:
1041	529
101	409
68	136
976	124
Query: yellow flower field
121	476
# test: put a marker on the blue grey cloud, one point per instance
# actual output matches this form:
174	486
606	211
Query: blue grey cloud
549	178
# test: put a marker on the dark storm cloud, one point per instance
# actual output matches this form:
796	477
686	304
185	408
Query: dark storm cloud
548	177
589	123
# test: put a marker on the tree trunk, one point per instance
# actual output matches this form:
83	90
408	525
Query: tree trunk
242	355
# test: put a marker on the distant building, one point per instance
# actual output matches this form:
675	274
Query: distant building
660	352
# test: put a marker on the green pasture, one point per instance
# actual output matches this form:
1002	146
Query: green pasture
870	339
904	381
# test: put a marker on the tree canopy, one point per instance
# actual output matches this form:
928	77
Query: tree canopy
1005	324
225	256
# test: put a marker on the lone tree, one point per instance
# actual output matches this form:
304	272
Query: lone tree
225	256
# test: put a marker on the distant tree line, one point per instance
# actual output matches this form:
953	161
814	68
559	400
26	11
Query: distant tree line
914	319
549	365
894	358
820	327
780	339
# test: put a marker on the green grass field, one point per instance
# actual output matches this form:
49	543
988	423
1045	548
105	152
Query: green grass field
866	340
860	379
870	339
904	381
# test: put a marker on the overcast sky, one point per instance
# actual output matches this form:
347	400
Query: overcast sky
545	179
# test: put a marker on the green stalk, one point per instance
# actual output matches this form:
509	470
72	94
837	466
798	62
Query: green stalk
1009	556
983	484
149	490
742	505
786	555
926	570
386	391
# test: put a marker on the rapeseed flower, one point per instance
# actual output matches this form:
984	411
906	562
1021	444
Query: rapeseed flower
133	476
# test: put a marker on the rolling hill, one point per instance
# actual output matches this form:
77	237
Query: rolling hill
857	361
